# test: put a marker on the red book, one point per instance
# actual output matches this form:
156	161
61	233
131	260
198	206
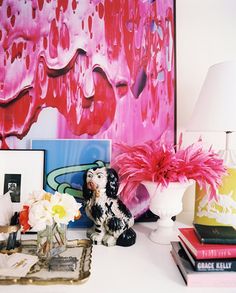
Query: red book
203	250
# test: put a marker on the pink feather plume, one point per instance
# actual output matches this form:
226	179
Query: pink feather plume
155	161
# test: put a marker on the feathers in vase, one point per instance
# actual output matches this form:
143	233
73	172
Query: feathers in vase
155	161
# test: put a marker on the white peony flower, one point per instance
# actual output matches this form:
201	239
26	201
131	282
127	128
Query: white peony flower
38	196
40	215
63	208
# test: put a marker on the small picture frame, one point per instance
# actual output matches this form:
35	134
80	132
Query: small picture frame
21	173
12	183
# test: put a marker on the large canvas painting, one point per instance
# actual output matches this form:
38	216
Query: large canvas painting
86	69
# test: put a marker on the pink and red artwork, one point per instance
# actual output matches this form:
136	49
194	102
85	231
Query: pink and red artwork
86	69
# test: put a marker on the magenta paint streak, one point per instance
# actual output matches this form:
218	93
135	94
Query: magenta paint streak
103	65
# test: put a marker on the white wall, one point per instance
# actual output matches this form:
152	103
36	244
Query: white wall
205	35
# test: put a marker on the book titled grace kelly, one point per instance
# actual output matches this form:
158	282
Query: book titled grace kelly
203	250
207	265
193	278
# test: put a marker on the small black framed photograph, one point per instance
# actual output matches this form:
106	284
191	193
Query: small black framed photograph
12	184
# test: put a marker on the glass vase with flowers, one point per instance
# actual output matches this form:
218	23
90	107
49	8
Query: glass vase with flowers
48	215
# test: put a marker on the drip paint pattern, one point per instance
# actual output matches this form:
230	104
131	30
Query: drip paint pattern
106	68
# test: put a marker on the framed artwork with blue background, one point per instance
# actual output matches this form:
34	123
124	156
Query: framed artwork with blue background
65	163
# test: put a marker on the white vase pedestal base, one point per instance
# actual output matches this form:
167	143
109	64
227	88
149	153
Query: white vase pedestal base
164	234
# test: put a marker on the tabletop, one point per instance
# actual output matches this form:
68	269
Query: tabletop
143	267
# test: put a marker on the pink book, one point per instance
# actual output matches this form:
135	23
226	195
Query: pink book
205	251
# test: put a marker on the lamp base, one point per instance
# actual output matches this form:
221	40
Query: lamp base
220	212
229	157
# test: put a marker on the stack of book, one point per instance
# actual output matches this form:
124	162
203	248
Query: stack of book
206	256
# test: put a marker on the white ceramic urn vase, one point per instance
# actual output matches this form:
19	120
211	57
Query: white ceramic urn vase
166	202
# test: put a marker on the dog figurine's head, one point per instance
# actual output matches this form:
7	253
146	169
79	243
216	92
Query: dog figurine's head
96	179
99	178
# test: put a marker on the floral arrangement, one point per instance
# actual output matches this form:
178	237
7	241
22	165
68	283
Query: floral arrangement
45	209
157	162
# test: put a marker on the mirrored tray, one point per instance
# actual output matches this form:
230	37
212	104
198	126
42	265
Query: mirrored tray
40	274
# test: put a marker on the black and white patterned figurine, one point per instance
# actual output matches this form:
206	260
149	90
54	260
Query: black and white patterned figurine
112	219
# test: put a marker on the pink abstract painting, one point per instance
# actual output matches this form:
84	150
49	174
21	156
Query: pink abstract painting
86	69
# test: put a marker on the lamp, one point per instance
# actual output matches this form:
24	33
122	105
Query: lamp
215	110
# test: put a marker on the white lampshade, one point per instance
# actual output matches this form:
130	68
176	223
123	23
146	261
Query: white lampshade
215	109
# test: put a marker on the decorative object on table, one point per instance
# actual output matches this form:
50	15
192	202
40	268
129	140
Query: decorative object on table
78	253
205	250
215	112
10	234
161	168
49	214
16	176
193	278
112	220
215	234
67	159
166	203
51	241
63	263
208	265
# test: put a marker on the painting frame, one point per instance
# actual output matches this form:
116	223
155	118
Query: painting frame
175	77
16	176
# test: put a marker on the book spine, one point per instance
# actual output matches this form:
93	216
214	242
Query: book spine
210	253
217	241
215	266
216	253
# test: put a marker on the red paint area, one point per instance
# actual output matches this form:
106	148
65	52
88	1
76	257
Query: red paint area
78	111
53	40
101	10
23	110
74	4
40	4
139	51
64	37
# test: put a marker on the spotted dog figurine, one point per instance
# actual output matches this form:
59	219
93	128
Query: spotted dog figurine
112	219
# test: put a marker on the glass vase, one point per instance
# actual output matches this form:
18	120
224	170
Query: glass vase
51	241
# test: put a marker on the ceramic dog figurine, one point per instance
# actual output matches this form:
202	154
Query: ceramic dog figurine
112	219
